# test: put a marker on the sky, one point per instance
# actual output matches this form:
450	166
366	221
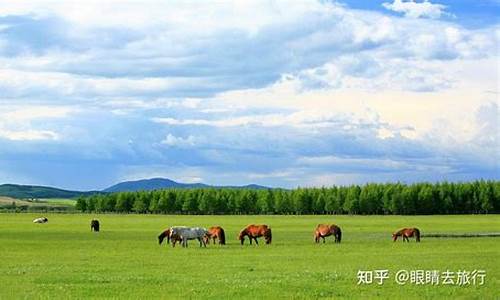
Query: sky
278	93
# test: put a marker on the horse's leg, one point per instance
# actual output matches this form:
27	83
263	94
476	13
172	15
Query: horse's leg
256	241
250	238
324	240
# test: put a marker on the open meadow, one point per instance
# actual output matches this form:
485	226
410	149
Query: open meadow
63	259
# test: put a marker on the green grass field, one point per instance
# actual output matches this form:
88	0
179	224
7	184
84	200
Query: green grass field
58	204
63	259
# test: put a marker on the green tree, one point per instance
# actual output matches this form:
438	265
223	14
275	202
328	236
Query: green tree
139	205
124	202
163	202
351	204
425	200
319	203
81	204
190	204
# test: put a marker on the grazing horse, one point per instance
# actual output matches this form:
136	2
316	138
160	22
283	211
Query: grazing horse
94	225
324	230
41	220
215	232
254	231
407	233
168	234
189	233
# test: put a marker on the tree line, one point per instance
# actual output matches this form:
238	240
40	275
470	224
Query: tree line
390	198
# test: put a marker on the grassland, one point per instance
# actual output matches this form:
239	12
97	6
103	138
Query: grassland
63	259
53	202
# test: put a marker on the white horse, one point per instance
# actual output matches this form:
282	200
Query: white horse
41	220
189	233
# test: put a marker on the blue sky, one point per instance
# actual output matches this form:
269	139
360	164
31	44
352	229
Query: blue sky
302	93
467	13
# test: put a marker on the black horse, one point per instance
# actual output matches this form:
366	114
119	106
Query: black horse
94	225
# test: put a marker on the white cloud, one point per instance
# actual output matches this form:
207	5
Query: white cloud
28	135
385	133
300	119
174	141
413	9
16	122
28	113
300	78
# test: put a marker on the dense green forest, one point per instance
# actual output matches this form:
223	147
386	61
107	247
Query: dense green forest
391	198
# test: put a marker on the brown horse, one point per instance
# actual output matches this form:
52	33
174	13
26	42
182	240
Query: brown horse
324	230
255	231
407	233
167	234
215	232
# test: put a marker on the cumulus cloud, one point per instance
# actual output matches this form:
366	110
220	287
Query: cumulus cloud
28	135
413	9
16	122
253	90
174	141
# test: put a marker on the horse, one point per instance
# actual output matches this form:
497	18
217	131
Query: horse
215	232
41	220
324	230
407	233
167	234
189	233
254	231
94	225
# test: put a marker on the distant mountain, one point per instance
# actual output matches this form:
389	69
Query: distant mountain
150	184
38	192
164	183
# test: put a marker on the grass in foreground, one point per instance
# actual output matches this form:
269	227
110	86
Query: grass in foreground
63	259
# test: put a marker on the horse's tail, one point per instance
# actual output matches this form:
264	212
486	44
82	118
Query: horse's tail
270	235
222	237
339	234
417	234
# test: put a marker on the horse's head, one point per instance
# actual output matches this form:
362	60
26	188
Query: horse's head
394	237
206	238
268	236
161	237
242	235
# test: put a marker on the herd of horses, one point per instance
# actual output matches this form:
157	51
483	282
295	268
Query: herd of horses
182	234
